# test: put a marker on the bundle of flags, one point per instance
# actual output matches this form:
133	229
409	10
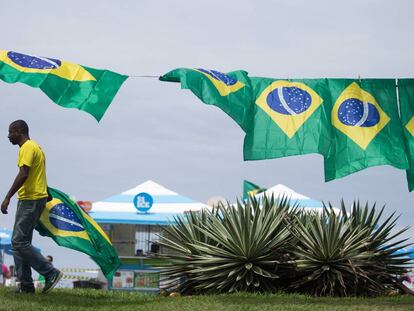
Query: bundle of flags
70	226
353	124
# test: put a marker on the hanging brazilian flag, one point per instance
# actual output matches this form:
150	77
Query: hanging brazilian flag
406	97
67	84
251	189
352	124
280	117
230	92
69	226
368	130
289	118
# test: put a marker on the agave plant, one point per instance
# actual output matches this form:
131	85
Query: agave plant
387	261
232	248
181	239
348	253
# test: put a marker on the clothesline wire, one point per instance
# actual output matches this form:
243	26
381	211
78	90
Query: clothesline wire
156	77
144	76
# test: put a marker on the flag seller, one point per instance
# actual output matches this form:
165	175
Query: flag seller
31	187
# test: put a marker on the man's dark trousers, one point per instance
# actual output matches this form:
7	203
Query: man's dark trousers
25	255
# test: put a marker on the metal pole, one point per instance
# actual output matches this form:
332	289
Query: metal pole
148	241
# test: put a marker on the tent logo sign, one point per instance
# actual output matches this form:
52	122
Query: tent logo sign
143	202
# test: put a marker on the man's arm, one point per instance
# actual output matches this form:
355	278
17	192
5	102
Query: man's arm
18	182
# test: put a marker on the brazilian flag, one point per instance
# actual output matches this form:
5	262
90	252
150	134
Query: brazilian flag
67	84
406	96
280	117
353	124
69	226
230	92
251	189
367	127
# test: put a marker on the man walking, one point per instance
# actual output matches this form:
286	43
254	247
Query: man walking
31	187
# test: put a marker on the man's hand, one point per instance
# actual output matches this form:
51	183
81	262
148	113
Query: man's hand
18	182
5	205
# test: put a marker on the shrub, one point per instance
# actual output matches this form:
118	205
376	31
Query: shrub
232	248
269	244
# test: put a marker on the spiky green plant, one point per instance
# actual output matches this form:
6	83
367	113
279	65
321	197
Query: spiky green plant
387	262
348	253
232	248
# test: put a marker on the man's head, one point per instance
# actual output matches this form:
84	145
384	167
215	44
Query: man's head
18	132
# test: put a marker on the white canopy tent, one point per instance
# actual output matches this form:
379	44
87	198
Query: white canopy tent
133	231
120	209
295	198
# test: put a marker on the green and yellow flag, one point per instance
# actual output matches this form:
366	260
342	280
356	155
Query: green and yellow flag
353	124
406	97
367	127
290	117
67	84
69	226
230	92
250	189
274	127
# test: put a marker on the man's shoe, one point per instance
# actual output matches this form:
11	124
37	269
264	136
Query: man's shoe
51	280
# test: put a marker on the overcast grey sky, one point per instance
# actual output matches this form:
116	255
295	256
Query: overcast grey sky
154	130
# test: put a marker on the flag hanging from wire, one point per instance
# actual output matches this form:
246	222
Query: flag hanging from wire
67	84
353	124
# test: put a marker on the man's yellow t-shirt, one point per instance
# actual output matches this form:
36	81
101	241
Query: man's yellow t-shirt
35	186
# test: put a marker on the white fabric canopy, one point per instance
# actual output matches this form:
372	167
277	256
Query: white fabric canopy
121	209
295	198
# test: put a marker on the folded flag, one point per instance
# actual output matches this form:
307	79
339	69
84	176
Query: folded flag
251	189
69	226
353	124
67	84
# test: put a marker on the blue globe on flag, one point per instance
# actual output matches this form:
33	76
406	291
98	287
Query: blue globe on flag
354	112
33	62
227	80
63	218
289	100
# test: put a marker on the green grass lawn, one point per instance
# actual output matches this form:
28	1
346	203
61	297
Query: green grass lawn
89	299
